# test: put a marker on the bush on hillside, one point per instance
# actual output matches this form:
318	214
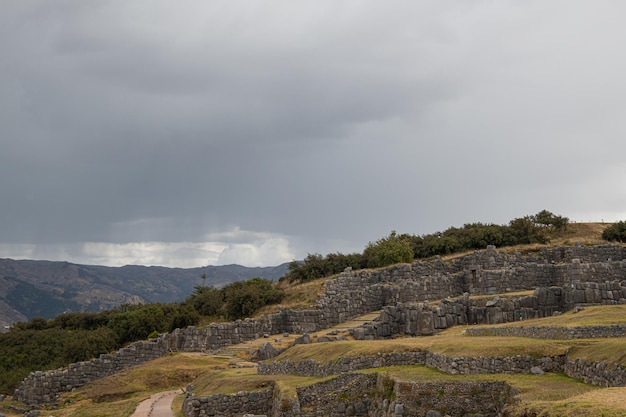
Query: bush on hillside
242	299
389	250
397	248
615	232
238	300
317	266
207	301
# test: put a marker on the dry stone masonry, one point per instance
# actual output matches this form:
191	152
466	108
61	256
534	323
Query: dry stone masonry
44	387
453	398
563	277
422	319
355	394
229	405
450	365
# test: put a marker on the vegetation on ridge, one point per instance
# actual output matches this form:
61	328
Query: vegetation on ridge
397	248
206	303
615	232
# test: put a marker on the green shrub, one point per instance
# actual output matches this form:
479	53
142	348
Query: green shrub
615	232
389	250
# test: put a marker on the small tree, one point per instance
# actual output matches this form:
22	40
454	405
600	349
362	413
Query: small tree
524	230
243	298
207	301
546	218
389	250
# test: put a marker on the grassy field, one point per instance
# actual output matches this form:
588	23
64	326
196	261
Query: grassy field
547	395
608	315
117	396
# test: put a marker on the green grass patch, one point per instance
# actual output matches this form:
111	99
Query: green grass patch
448	343
600	350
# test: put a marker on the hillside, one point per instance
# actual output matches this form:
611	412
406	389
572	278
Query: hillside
45	289
552	393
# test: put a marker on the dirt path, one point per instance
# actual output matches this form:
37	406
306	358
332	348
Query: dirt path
158	405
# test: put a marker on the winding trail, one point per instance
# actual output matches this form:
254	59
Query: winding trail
158	405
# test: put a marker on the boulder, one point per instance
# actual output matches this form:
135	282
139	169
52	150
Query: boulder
267	351
305	339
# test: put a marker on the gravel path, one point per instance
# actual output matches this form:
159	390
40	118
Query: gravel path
158	405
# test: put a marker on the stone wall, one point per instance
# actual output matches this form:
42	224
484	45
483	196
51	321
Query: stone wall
354	293
44	387
494	365
551	332
311	367
369	395
450	365
596	373
355	394
230	405
347	395
452	398
421	319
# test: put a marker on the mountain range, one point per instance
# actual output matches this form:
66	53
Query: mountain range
48	288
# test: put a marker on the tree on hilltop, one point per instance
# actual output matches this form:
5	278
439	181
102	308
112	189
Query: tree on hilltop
546	218
389	250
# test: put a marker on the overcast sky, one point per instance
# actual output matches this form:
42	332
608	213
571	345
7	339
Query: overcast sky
192	133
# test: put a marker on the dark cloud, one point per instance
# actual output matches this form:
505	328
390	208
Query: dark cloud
274	130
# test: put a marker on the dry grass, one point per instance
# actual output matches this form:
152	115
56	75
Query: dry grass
452	342
448	343
119	395
547	395
608	315
555	394
298	296
583	233
546	387
551	394
600	350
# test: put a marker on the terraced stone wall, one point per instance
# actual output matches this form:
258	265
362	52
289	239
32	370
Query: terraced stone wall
596	373
552	332
44	387
230	405
346	395
354	293
453	398
485	272
421	319
454	366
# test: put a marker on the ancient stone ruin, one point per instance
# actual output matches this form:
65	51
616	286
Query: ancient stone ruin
562	278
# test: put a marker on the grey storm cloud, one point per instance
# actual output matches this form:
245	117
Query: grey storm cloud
300	127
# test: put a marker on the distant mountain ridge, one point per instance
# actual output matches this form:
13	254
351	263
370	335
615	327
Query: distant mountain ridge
48	288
